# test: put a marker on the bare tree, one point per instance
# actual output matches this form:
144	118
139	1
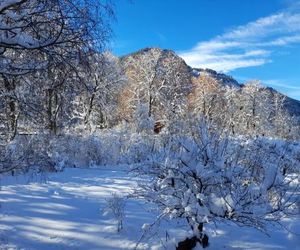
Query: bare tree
37	34
209	100
10	104
158	81
43	45
103	82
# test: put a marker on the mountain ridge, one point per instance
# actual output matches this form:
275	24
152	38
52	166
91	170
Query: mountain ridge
152	54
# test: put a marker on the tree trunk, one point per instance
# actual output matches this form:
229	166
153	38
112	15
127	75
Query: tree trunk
12	110
52	110
201	237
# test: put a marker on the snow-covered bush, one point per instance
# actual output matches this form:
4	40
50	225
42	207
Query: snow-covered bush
115	205
75	151
27	153
211	178
144	123
46	152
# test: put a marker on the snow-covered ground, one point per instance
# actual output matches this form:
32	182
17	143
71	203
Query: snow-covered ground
66	212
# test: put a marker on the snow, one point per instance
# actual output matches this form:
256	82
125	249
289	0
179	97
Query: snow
66	212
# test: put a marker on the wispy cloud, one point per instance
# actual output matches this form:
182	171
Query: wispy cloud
285	86
248	45
281	84
294	94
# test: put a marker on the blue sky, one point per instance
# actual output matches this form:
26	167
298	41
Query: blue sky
248	39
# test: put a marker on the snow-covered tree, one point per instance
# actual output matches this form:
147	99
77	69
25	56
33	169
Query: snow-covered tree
103	81
210	100
43	46
36	34
283	124
211	177
254	107
10	106
157	80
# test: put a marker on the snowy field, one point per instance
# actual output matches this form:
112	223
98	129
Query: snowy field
65	211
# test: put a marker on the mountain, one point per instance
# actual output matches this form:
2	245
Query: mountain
157	78
161	80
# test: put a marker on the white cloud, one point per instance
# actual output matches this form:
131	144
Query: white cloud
247	45
282	41
282	84
275	24
290	89
225	61
228	65
293	94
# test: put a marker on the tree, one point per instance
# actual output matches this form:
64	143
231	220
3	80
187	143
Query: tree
283	123
158	83
10	104
254	107
103	82
37	34
209	99
43	45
